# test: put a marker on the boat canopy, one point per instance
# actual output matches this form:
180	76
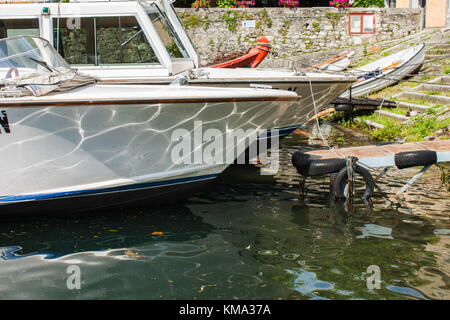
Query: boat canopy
141	38
31	66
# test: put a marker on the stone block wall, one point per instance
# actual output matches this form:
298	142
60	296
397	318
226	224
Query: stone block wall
221	32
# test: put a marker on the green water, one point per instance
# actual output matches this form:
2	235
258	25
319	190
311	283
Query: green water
246	236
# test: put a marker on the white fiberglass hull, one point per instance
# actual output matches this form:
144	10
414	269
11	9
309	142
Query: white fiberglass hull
393	68
66	147
316	90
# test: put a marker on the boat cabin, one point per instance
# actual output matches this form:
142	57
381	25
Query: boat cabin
135	39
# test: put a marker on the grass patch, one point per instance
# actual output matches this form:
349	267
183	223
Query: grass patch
447	69
415	101
401	111
436	93
419	127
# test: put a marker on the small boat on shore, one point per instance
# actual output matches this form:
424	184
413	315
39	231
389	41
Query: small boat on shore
386	71
71	143
252	59
337	63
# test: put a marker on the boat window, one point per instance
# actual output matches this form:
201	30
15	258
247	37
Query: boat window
17	27
168	36
102	41
181	23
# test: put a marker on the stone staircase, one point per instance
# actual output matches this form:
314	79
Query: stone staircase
435	94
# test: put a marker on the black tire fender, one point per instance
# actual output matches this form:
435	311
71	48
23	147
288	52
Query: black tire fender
343	107
415	158
309	166
341	181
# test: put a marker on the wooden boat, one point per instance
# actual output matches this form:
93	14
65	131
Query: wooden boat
250	60
70	143
337	63
386	71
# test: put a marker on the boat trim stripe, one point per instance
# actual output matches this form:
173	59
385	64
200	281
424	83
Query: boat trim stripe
50	103
89	192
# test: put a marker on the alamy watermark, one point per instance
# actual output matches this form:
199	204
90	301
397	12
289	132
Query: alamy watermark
74	280
213	146
374	280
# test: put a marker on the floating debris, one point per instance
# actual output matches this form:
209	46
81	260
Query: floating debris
290	256
268	252
132	254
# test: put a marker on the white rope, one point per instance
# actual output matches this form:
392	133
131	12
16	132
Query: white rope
317	118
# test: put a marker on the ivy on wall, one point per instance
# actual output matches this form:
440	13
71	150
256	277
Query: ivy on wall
368	3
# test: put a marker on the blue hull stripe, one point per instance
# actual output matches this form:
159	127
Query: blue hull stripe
140	186
281	132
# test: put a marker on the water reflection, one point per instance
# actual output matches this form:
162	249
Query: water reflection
246	237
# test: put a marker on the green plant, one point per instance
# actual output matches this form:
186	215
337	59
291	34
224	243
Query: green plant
334	18
230	20
447	69
191	21
206	23
368	3
284	30
225	3
201	4
316	26
265	19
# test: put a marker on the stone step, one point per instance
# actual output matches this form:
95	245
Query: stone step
441	46
433	52
432	88
412	106
371	124
441	80
392	115
433	99
436	57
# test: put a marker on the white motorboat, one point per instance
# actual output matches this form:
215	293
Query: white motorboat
386	71
144	42
70	143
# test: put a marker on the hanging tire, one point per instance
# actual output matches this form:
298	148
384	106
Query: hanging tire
415	158
343	107
309	166
340	182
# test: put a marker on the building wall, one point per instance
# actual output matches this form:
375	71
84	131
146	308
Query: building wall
220	32
402	4
436	13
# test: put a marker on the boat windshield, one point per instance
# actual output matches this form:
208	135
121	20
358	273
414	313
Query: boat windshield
25	55
166	32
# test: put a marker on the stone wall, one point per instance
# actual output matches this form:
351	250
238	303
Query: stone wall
292	32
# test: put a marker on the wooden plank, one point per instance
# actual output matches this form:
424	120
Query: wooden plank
365	102
382	150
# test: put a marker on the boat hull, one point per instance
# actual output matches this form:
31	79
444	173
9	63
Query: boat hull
412	60
73	157
314	93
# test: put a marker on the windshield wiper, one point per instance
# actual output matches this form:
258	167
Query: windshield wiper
43	64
